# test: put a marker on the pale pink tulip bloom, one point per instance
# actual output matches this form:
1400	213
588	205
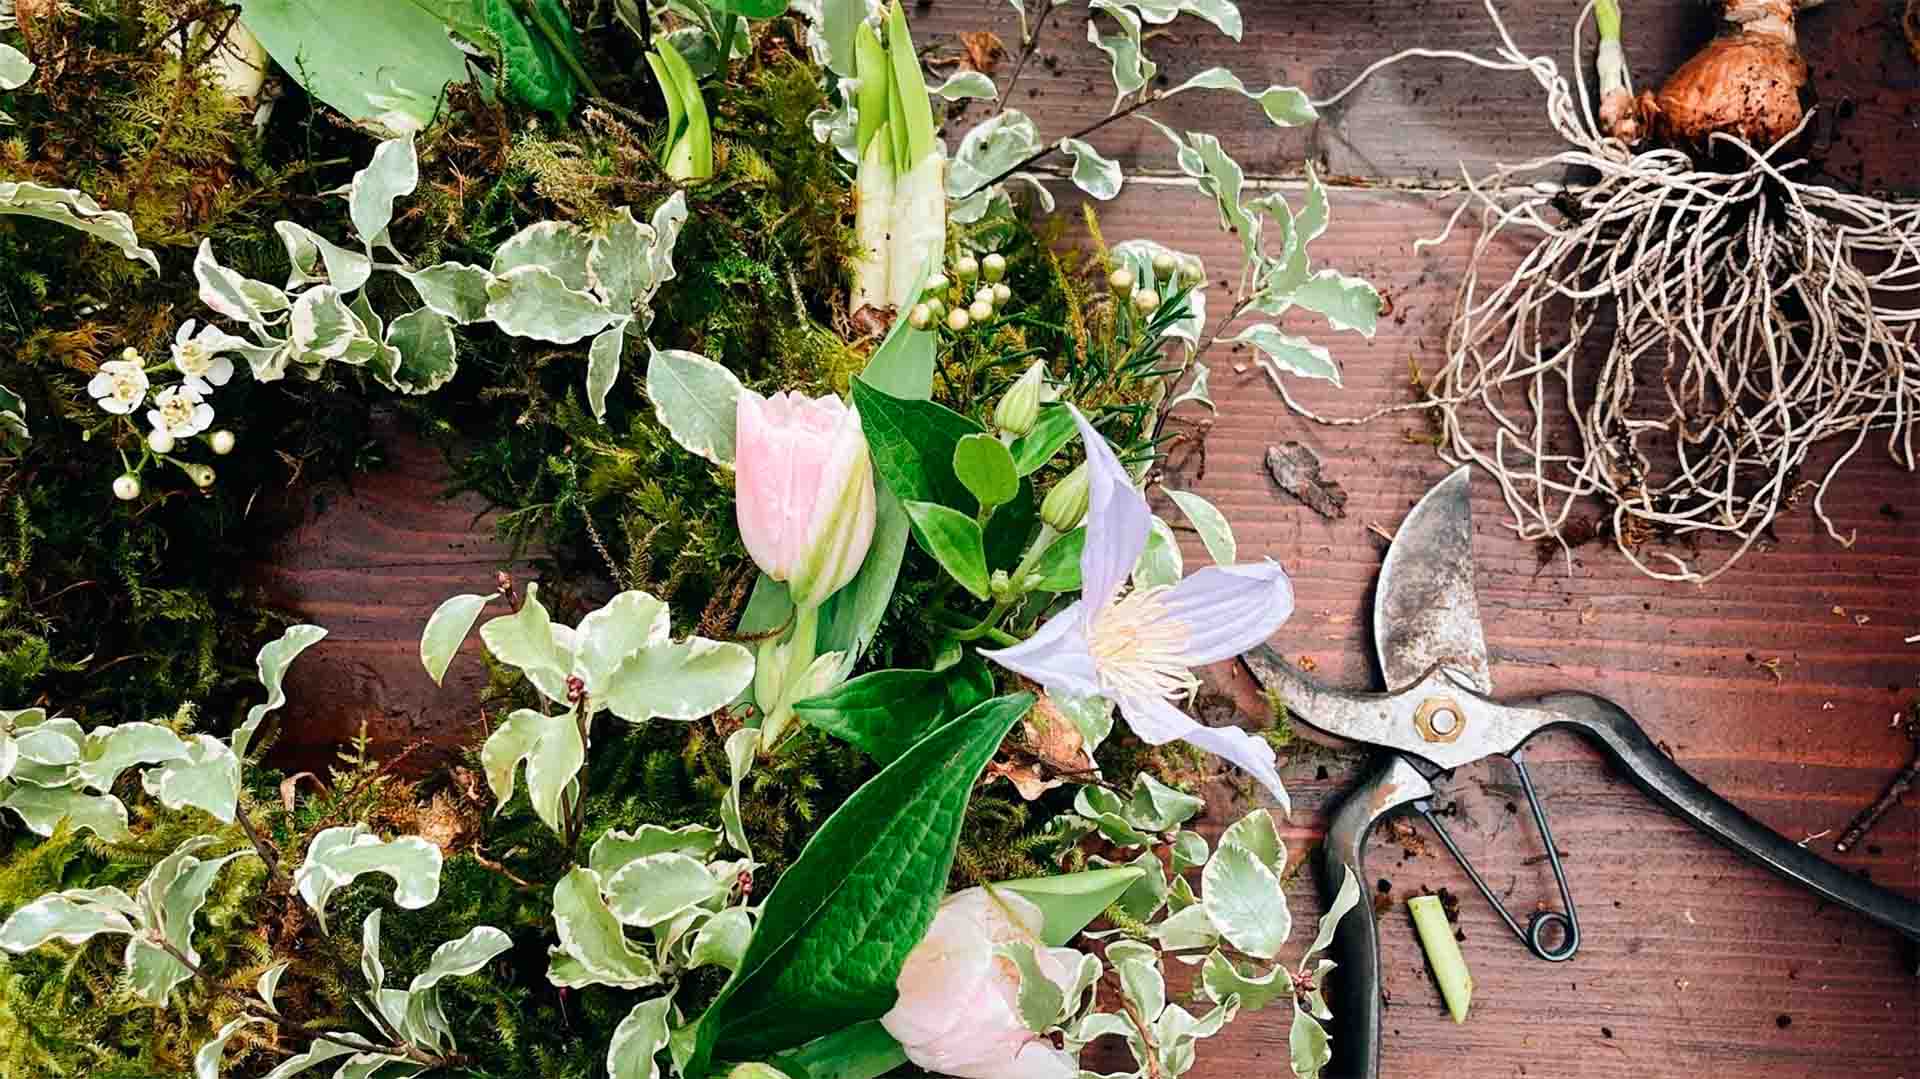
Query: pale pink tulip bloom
805	498
959	1013
1138	649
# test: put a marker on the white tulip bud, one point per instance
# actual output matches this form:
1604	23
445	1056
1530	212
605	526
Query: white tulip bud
222	442
126	488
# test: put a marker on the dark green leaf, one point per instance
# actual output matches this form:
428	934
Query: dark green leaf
751	9
886	712
912	443
1059	566
1071	900
954	539
1011	527
1051	431
862	1051
985	467
838	926
535	73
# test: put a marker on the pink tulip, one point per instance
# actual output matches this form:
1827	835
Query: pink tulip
805	498
958	1012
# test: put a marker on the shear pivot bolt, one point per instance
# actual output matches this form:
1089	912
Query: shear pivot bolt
1439	720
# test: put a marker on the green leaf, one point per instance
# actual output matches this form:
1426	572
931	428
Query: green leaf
1307	1045
885	712
955	541
1039	1000
308	251
741	746
751	9
169	900
109	751
985	468
593	949
535	73
271	664
838	926
603	367
71	917
1222	980
1070	901
1343	901
1012	528
696	400
1284	353
370	59
1256	833
15	68
75	210
723	940
1242	899
423	342
1349	303
42	809
560	246
1059	565
446	629
681	680
552	748
1212	525
913	444
1051	431
1160	563
638	1040
861	1051
456	290
534	302
1093	172
1286	106
651	889
338	856
207	777
524	639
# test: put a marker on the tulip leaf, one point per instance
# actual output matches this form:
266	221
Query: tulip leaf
1070	901
886	712
955	541
1051	431
696	400
984	466
1059	565
446	630
371	59
837	928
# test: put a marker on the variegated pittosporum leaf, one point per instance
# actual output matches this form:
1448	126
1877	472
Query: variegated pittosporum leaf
338	856
415	1013
553	281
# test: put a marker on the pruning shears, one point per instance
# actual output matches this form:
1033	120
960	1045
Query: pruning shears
1439	715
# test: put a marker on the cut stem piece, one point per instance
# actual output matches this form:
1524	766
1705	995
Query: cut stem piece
1443	953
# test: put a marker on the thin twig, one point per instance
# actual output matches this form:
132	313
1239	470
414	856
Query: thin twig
1031	45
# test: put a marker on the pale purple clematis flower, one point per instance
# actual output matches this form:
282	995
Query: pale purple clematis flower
1138	650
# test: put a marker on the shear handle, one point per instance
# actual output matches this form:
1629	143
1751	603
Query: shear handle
1354	984
1689	799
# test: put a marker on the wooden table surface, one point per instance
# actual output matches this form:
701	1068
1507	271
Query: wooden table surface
1693	962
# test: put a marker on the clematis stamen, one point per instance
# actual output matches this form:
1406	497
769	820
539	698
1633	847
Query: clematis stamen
1139	647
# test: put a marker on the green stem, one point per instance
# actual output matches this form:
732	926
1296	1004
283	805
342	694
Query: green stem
1041	541
1443	953
988	624
559	43
728	25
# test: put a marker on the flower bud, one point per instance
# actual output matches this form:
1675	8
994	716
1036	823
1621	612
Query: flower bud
980	310
805	500
937	307
1164	264
1019	407
160	442
993	267
130	354
1001	294
222	442
126	488
1192	272
1145	301
756	1071
1066	504
984	292
201	475
1121	282
966	267
958	319
936	284
920	317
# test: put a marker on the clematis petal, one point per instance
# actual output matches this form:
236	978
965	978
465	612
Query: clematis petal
1118	520
1158	721
1229	609
1056	656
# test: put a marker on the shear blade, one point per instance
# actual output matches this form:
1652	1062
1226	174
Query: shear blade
1425	611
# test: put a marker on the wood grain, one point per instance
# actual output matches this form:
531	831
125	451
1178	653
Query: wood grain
1420	121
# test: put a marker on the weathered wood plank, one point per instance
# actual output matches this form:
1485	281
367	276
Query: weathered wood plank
1421	120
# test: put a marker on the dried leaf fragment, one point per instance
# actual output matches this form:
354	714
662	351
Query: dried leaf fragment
1296	468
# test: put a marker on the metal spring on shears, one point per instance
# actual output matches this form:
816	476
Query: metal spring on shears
1544	922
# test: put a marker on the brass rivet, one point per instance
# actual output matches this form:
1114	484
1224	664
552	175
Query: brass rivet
1439	719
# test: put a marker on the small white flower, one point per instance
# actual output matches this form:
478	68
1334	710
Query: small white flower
126	488
197	357
120	386
180	412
